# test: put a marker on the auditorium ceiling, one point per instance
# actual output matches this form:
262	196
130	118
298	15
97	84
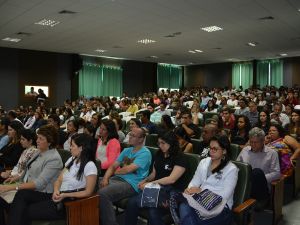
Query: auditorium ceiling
173	28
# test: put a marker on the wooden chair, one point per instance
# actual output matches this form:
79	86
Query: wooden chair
79	212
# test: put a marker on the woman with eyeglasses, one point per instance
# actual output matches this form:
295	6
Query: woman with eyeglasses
217	175
168	169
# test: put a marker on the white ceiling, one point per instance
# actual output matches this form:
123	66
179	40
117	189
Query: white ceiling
107	24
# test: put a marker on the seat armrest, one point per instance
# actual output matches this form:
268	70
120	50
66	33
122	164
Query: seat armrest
246	205
83	211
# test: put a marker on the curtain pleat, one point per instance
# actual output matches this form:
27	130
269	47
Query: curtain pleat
98	80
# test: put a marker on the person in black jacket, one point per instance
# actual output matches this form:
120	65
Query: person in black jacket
13	150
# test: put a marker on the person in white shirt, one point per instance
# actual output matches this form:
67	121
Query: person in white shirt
282	119
31	120
88	116
217	174
232	101
77	180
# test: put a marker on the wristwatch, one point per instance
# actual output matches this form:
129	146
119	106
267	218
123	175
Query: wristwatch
17	187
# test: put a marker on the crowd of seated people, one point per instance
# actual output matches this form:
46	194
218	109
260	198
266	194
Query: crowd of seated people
195	114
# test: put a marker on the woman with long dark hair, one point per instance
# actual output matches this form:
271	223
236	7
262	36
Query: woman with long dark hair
77	180
240	133
264	121
168	169
108	148
11	152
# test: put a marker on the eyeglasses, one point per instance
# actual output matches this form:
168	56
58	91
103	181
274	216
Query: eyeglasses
214	149
134	136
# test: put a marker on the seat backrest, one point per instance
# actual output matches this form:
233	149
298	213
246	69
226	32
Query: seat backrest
192	163
153	151
208	115
151	140
234	151
196	146
64	154
243	186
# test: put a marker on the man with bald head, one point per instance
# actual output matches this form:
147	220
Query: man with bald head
122	177
209	130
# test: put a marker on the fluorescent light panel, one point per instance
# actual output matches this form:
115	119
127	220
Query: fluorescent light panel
100	50
11	39
283	54
47	22
195	51
211	28
146	41
252	44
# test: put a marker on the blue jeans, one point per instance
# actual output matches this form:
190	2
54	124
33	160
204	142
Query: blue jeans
188	216
132	212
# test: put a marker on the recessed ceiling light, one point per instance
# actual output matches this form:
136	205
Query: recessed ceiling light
252	44
197	50
283	54
11	39
100	50
47	22
146	41
154	57
211	28
192	51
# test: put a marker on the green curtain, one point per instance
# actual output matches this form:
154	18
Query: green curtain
90	77
276	72
169	76
112	81
236	75
175	77
100	80
247	74
262	73
163	76
242	74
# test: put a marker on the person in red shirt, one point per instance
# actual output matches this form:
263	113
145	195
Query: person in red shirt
291	99
228	118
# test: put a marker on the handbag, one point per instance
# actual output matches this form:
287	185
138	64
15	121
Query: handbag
206	204
155	195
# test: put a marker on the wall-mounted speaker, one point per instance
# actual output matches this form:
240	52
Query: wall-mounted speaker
76	63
